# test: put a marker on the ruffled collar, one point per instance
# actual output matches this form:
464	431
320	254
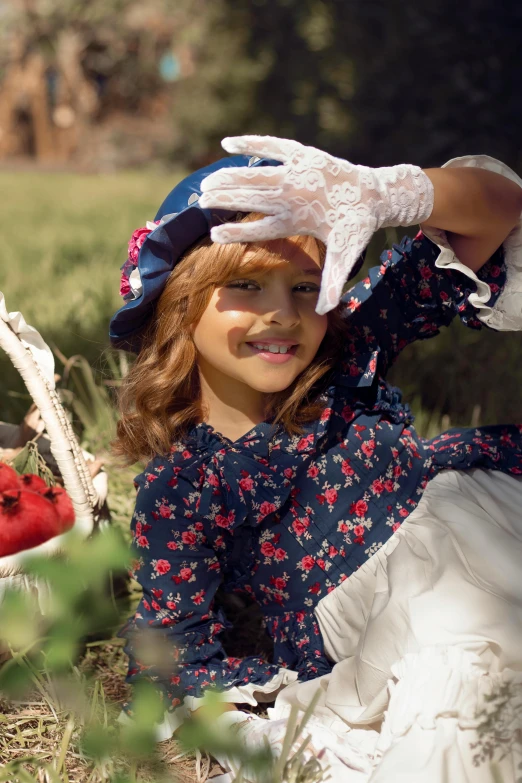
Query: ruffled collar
203	438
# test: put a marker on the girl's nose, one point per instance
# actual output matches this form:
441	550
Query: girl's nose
282	310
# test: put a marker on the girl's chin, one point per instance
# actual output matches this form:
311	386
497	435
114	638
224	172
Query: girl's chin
270	388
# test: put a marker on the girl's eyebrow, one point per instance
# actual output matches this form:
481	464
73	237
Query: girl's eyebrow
315	272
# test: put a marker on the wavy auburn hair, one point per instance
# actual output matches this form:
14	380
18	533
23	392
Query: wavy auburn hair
159	399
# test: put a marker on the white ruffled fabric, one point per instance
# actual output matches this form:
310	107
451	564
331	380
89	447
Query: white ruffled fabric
251	693
428	636
506	314
445	715
340	757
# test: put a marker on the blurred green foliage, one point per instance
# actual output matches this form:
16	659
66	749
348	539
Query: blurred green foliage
376	82
46	636
75	604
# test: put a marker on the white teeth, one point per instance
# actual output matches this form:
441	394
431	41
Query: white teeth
272	348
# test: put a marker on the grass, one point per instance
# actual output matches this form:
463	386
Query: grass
64	239
43	737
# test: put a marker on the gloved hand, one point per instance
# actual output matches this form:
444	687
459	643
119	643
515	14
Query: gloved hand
313	193
345	762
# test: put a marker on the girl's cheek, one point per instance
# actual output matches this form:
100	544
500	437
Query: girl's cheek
238	317
320	325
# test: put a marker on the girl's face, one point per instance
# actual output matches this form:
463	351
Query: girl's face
261	330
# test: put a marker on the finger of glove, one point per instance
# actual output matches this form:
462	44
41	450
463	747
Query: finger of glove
263	146
272	227
244	177
245	200
336	270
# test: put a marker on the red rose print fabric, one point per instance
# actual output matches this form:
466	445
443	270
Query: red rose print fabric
287	519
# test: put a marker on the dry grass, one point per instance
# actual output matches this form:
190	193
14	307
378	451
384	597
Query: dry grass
39	732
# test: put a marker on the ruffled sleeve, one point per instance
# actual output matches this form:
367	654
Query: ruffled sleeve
504	313
173	637
421	286
408	298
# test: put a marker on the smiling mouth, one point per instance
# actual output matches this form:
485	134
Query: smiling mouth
273	348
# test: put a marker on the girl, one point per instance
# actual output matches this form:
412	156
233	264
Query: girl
283	466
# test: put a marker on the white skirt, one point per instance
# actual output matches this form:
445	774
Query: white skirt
428	635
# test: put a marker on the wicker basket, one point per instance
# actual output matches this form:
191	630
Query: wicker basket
34	360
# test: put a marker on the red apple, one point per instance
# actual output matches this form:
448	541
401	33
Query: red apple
27	519
32	482
8	477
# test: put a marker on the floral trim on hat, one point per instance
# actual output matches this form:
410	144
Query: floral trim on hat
130	282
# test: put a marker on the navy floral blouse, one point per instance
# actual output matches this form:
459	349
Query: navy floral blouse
286	519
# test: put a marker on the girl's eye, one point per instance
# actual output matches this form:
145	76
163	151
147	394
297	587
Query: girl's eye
307	288
243	285
252	285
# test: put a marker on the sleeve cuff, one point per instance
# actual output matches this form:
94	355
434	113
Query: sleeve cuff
252	693
506	313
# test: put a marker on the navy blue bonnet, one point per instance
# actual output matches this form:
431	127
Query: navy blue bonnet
182	223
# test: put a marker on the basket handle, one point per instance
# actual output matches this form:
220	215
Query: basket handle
64	444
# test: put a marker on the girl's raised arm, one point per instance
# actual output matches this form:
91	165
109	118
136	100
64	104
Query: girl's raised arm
476	208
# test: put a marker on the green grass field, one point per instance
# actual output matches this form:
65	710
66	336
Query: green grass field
64	238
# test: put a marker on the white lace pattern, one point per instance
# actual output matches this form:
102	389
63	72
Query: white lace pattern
314	193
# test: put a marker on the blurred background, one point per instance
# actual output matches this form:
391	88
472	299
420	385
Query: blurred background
105	104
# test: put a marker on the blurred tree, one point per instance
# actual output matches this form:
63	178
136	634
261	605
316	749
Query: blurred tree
377	81
66	65
434	80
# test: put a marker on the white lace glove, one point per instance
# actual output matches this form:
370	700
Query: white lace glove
313	193
325	751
